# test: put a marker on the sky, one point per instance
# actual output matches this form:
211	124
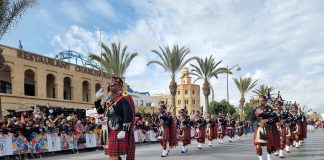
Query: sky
279	43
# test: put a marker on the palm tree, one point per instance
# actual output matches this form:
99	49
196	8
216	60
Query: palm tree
263	90
10	12
115	60
172	61
205	70
244	85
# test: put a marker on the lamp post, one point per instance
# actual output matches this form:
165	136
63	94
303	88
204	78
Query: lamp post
228	70
152	105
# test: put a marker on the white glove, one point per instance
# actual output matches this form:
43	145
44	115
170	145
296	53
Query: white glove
121	135
100	93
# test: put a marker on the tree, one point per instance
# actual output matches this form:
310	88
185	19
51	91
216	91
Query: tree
115	60
205	70
244	85
248	108
11	12
263	90
221	107
2	60
172	61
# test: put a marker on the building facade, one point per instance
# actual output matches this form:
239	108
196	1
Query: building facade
188	94
145	101
31	79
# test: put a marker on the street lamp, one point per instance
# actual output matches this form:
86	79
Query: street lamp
152	106
237	69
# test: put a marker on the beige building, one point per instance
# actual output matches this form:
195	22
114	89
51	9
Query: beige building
188	94
31	79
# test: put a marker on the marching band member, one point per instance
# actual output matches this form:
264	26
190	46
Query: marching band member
262	119
210	129
166	130
280	124
230	127
239	127
200	129
184	129
119	109
220	127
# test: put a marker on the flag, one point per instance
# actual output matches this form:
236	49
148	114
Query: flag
269	95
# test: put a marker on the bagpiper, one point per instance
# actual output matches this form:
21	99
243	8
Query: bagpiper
210	129
184	129
119	109
166	130
296	126
239	127
220	127
281	127
262	118
230	127
200	129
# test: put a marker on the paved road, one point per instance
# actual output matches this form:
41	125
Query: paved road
312	149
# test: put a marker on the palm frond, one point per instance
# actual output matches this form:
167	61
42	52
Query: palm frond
12	13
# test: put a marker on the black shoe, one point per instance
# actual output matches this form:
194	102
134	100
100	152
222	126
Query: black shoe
199	147
183	151
163	156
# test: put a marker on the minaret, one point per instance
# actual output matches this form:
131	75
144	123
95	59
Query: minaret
185	79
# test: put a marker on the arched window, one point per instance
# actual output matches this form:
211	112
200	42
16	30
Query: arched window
50	86
67	90
97	87
5	80
29	83
86	91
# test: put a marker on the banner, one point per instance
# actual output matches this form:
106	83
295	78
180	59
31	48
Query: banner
91	113
91	140
68	142
54	142
39	144
5	145
20	144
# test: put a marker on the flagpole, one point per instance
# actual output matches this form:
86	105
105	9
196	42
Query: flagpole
100	44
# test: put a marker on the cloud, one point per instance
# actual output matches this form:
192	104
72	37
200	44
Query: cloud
279	43
77	39
72	10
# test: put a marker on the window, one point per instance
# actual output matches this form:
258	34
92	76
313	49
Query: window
193	92
178	92
179	101
5	87
141	103
193	101
186	91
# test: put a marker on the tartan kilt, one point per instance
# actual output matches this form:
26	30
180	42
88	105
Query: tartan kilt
276	138
269	135
240	131
283	138
166	133
304	131
186	136
221	135
117	146
215	131
211	134
201	135
230	131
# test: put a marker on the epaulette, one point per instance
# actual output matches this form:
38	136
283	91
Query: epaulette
125	93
